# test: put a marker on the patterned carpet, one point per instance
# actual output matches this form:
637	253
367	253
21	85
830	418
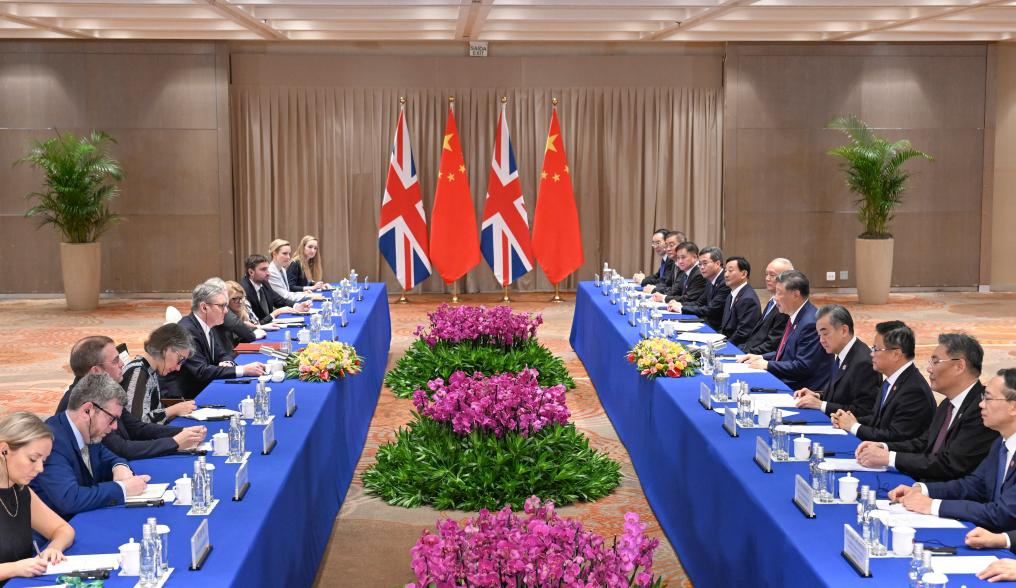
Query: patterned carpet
371	540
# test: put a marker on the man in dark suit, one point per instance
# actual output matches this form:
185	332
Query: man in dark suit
799	360
741	307
264	301
853	382
687	284
957	440
768	331
986	497
904	406
213	356
81	474
659	245
711	267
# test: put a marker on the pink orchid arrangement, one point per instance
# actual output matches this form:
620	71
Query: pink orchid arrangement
499	404
493	326
540	549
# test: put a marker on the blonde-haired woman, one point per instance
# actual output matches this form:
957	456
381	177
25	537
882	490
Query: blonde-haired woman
281	253
240	323
304	272
25	443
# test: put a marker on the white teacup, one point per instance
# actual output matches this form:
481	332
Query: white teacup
802	448
182	489
764	416
130	558
220	443
848	488
903	540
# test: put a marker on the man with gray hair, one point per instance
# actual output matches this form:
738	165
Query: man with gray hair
81	474
768	331
213	357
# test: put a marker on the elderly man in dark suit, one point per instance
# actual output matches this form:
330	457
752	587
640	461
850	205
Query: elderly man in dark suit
659	244
741	307
853	382
768	331
711	268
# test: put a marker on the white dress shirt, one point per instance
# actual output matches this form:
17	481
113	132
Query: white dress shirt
277	280
82	448
208	337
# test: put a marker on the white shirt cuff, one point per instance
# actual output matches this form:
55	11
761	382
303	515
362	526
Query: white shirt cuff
822	407
853	429
935	505
1008	543
922	488
239	371
892	459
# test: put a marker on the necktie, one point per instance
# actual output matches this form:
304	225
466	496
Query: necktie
943	429
1003	456
769	306
211	347
263	300
884	396
783	341
836	369
85	457
663	266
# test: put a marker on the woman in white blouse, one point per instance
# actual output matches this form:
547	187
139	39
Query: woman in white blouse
281	253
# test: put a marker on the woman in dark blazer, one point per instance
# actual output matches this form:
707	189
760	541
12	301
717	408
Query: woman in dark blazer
304	272
238	323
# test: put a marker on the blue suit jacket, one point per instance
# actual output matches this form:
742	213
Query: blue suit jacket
65	484
970	498
740	316
804	364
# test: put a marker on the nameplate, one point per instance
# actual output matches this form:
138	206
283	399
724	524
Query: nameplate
242	485
705	396
200	546
856	551
730	421
290	402
804	496
763	455
268	438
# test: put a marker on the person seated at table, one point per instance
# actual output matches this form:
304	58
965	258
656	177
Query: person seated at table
264	300
133	438
957	440
240	325
304	271
213	355
670	242
281	251
904	406
687	284
799	360
659	244
741	307
25	443
767	333
987	496
711	267
853	382
82	474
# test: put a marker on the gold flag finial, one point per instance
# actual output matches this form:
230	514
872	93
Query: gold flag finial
553	101
451	99
504	99
402	99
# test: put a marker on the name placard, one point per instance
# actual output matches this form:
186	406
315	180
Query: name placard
290	402
268	438
242	485
730	421
704	396
856	551
200	546
763	455
804	496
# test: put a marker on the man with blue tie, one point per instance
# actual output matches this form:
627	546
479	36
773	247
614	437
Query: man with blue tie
659	244
741	308
768	331
986	497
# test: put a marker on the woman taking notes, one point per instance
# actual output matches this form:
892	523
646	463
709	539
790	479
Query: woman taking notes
25	443
304	272
165	351
281	253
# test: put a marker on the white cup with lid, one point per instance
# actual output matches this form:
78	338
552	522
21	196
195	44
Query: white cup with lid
848	488
130	558
903	540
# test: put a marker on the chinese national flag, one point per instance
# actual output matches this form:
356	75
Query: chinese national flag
454	240
557	241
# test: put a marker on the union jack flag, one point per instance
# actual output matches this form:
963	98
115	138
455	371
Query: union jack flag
504	234
403	233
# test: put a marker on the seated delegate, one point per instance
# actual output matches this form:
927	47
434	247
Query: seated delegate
305	270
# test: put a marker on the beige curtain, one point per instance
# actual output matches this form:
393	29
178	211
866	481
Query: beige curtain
313	160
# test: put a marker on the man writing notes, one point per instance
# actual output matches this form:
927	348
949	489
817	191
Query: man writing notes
853	383
659	245
711	267
741	308
768	331
957	440
986	497
904	405
799	360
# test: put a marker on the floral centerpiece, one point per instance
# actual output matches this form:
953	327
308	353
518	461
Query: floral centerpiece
324	362
539	549
494	326
656	358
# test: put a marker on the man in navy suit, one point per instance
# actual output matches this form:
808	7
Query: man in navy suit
659	244
987	497
768	331
711	267
799	360
81	474
687	284
741	307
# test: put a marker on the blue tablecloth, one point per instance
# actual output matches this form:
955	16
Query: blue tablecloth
277	534
730	523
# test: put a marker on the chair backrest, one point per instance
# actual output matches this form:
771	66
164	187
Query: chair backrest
172	315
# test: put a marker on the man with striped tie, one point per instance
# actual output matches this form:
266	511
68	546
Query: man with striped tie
768	331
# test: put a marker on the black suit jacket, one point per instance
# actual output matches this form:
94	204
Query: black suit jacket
202	366
966	443
855	386
657	278
766	335
692	288
906	414
263	306
236	331
717	293
740	316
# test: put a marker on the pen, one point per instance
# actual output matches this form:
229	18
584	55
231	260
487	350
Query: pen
759	389
156	502
35	544
211	406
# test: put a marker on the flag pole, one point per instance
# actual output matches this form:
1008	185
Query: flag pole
402	297
455	292
506	299
557	293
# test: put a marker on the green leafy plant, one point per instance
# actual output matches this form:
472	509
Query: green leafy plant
80	177
874	169
429	464
423	363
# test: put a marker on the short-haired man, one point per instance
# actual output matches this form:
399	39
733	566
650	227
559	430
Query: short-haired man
799	360
213	356
853	383
659	244
905	404
687	284
986	497
768	331
266	302
711	267
741	308
81	474
957	440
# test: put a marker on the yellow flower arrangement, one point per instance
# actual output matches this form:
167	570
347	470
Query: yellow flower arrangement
662	358
324	362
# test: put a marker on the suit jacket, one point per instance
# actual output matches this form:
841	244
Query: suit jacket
768	331
1012	540
856	385
803	364
966	443
692	288
202	366
717	293
972	497
658	278
740	316
237	331
66	485
263	306
906	414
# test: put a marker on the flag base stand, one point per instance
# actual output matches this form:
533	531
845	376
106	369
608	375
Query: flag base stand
557	294
402	298
506	299
455	292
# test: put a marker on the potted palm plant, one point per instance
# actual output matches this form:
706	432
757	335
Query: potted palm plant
80	181
874	170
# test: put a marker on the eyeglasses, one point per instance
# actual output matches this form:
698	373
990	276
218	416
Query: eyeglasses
656	243
985	398
670	245
934	361
882	349
109	414
236	299
221	307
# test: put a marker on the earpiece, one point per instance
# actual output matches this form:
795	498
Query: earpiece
4	452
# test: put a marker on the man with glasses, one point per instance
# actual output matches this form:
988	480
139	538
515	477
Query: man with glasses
986	497
905	405
768	331
716	294
659	245
81	474
957	440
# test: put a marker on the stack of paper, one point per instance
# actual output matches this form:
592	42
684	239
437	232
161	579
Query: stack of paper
684	327
835	464
770	401
204	414
811	429
76	563
740	368
961	564
702	337
152	492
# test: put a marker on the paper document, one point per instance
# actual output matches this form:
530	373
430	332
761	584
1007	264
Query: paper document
684	327
961	564
812	429
203	414
76	563
764	400
786	413
837	464
152	492
739	368
702	337
290	320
